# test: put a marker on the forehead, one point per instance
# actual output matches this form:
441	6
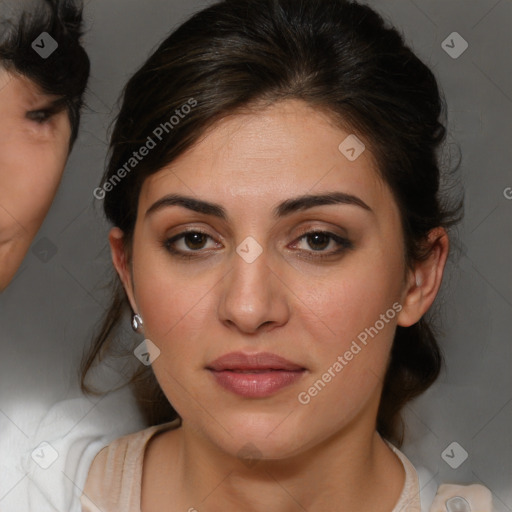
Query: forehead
14	86
288	149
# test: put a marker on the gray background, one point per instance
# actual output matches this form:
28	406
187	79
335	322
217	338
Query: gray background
48	313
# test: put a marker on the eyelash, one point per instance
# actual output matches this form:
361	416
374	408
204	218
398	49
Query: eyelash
343	243
41	116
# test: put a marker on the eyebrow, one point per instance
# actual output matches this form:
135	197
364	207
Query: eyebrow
60	102
284	209
56	105
47	102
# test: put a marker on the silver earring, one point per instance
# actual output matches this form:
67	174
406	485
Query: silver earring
137	322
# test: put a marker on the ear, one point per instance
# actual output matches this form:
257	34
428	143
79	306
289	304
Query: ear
424	281
121	263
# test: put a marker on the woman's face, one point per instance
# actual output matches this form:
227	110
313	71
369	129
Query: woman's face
254	282
34	145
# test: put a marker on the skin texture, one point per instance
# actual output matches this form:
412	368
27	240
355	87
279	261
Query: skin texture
33	155
306	310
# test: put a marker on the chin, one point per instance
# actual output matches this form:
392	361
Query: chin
256	436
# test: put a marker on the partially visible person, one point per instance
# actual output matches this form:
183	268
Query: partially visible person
40	101
44	71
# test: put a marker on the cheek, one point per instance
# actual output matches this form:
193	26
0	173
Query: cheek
352	330
178	318
350	299
351	356
177	307
30	175
356	333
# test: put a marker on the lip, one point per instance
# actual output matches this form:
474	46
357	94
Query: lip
254	375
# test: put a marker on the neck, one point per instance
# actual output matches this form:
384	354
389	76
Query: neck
357	472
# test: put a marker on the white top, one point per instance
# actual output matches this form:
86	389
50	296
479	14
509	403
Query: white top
45	471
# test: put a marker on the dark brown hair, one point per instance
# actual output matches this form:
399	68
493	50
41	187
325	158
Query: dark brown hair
66	71
339	57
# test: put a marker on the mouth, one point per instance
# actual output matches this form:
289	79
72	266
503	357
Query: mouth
241	362
255	370
254	375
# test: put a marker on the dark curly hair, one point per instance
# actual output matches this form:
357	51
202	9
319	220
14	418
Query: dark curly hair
66	71
341	58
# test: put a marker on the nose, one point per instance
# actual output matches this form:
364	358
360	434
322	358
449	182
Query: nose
254	296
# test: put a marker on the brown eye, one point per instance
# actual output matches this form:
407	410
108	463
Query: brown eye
318	241
195	240
190	241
